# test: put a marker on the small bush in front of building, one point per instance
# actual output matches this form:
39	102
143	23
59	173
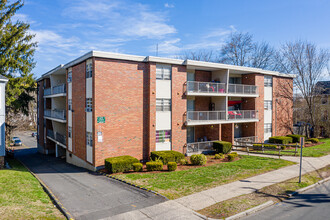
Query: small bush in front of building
167	156
280	140
295	137
120	164
137	167
232	156
171	166
223	147
154	166
314	140
183	161
219	156
198	159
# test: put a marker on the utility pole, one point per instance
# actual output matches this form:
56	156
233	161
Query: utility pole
157	50
302	140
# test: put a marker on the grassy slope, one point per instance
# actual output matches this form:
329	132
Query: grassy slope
181	183
22	197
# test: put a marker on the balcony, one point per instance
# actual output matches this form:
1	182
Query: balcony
194	88
55	91
221	117
56	137
56	115
245	140
199	147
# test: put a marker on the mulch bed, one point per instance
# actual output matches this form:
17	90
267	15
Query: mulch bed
306	145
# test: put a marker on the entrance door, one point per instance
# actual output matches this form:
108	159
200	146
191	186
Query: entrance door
190	134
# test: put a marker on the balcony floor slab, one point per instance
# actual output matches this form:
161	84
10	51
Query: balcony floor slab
210	122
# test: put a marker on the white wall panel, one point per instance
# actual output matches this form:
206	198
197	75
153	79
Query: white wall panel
163	89
89	155
163	120
268	116
268	95
89	122
89	88
163	146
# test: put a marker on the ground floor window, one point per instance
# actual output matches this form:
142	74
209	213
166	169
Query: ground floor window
268	127
163	136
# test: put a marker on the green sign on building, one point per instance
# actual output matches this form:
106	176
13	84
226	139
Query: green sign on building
100	119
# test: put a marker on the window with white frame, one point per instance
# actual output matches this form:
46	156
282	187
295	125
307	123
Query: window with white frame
89	70
268	105
163	105
89	139
69	76
268	81
163	136
268	127
70	132
70	104
89	104
163	72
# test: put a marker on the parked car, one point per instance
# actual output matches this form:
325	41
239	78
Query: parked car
17	142
14	138
34	134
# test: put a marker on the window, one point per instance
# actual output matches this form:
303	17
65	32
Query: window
268	81
69	76
268	105
268	127
70	132
89	104
163	72
89	139
163	136
89	70
70	104
163	105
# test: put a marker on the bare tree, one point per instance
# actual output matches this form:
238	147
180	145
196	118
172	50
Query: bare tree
262	56
200	55
307	63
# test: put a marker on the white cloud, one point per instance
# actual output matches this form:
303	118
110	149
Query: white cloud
167	47
167	5
22	17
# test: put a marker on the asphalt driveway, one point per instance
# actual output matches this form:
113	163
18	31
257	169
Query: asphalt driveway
84	194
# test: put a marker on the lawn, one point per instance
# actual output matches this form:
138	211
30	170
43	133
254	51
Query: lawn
315	151
22	196
185	182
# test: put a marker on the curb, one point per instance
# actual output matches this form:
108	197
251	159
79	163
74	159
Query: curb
250	211
309	187
58	204
131	184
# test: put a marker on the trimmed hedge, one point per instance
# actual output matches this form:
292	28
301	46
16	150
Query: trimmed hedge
167	156
258	146
198	159
232	156
171	166
295	137
219	156
280	140
120	164
183	161
154	166
223	147
137	167
314	140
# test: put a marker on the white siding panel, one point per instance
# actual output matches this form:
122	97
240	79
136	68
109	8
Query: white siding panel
268	93
69	90
89	123
89	155
70	144
267	136
89	88
70	118
268	116
163	146
163	89
163	121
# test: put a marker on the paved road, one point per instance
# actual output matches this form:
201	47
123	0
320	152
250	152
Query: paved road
85	194
312	204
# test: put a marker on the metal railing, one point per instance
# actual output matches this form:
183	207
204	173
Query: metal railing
50	133
48	91
242	114
245	140
221	115
199	147
55	90
206	87
59	114
56	136
242	89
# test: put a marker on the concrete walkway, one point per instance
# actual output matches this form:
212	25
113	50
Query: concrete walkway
221	193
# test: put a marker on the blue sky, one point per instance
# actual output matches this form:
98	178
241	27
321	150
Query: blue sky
66	29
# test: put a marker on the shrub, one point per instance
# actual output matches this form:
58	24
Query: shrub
167	156
120	164
314	140
258	146
171	166
234	153
223	147
219	156
232	156
137	167
198	159
295	137
183	161
154	166
280	140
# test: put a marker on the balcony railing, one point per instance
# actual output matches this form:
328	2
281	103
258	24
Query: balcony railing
199	147
50	133
245	140
56	136
57	114
55	90
220	88
208	116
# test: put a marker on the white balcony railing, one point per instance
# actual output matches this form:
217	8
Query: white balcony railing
242	89
206	87
245	140
199	147
57	114
242	114
55	90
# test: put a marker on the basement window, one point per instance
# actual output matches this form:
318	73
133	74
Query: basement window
163	136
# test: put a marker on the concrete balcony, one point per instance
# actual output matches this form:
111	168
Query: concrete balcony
221	117
55	91
194	88
56	137
56	115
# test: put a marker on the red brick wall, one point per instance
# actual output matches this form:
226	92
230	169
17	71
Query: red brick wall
249	129
227	132
203	76
78	114
179	103
202	103
212	132
283	107
41	112
151	114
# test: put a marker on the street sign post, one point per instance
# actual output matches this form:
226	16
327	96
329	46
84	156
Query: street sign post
302	140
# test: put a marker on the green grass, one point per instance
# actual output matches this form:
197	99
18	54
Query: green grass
185	182
315	151
22	196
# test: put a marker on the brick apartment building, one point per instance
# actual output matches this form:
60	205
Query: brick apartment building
103	104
